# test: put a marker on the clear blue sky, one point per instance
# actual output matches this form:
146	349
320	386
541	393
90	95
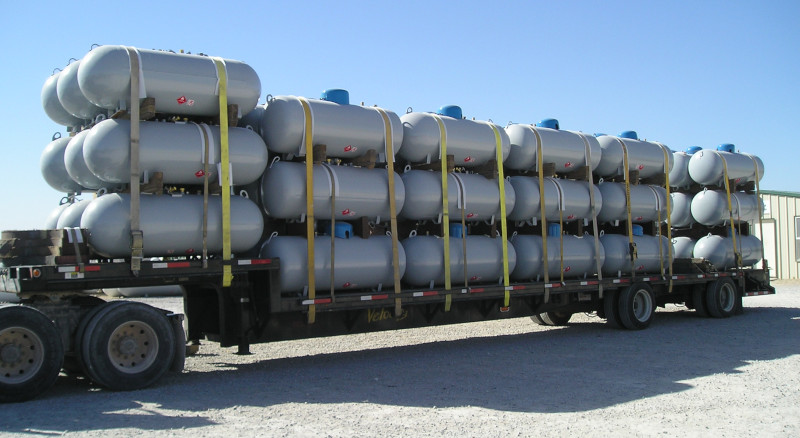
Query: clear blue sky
683	73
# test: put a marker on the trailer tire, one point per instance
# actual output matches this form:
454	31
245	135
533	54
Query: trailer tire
611	308
699	301
127	346
721	298
636	306
537	318
31	353
555	318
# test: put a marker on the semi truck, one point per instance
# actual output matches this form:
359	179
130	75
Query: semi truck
440	220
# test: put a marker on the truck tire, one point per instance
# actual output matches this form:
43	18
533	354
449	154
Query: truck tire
611	308
636	306
721	298
127	346
537	318
31	353
555	318
699	301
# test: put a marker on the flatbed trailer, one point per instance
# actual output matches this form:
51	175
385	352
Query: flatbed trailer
62	323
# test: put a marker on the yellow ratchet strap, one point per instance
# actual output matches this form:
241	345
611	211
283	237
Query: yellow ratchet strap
503	225
669	216
227	276
588	159
445	211
308	134
758	201
627	175
736	252
540	170
137	236
389	143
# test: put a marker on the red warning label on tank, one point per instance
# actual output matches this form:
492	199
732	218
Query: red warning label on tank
181	100
567	268
469	159
474	278
348	212
568	164
350	148
640	167
199	174
640	268
348	284
471	215
639	218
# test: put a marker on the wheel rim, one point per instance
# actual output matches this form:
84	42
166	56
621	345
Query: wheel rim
21	355
642	305
727	297
133	347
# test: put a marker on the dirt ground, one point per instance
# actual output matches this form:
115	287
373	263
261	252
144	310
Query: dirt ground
683	376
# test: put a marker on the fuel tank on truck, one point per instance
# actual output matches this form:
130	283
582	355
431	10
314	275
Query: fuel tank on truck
171	225
175	149
566	149
719	250
710	207
647	203
684	247
679	175
71	217
681	214
53	107
425	260
358	263
347	131
579	257
471	142
53	168
75	163
72	98
643	156
181	84
647	260
478	195
569	197
706	167
358	191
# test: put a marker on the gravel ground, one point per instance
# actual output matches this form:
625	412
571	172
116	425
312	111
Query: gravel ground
684	376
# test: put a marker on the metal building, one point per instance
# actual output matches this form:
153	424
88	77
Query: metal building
781	225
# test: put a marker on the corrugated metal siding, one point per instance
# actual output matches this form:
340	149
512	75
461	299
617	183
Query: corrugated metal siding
784	209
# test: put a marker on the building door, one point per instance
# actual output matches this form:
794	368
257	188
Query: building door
770	247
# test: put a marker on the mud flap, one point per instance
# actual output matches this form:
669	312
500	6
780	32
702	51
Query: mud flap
176	321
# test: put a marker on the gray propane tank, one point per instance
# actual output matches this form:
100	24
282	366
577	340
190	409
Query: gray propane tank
425	260
175	149
181	83
424	196
53	107
681	215
719	250
679	175
647	202
75	163
647	261
360	192
358	264
71	97
643	156
51	221
53	168
565	149
172	225
71	216
710	207
347	131
571	196
706	168
252	120
472	143
684	247
579	257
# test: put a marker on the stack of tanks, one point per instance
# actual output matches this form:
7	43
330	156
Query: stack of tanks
90	94
588	227
706	224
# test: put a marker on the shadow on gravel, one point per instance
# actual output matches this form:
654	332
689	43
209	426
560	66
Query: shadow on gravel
581	367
